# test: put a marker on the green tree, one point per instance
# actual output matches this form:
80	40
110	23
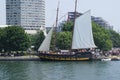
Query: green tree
115	37
32	39
1	39
38	39
15	39
67	26
101	37
64	40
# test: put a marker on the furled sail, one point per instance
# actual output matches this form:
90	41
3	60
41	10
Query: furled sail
82	35
46	43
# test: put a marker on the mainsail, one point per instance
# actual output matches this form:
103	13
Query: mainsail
46	43
82	35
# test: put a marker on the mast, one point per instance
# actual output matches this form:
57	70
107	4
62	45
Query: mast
55	28
74	20
57	16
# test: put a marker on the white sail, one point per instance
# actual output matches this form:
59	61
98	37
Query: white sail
46	43
82	35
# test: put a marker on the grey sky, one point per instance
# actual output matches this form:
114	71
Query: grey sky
107	9
2	12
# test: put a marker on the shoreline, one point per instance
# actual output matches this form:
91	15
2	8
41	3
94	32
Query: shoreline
20	58
37	58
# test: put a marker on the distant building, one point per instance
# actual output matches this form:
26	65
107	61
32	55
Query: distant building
102	22
3	26
97	20
30	14
71	15
31	32
58	29
27	31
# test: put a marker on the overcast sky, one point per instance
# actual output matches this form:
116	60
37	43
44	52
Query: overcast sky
107	9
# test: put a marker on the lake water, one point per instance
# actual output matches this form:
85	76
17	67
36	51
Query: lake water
38	70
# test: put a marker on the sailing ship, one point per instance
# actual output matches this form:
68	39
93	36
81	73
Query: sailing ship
82	42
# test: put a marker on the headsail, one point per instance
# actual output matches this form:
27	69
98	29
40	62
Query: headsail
83	36
46	43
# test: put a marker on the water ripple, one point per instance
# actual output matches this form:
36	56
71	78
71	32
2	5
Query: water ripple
38	70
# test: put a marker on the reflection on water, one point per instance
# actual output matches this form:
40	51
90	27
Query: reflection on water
38	70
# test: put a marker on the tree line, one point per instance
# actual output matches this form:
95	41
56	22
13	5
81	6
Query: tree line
104	39
14	38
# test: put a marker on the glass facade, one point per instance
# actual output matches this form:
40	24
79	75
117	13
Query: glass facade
30	14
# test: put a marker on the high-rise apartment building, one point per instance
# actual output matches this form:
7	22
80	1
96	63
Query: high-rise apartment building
30	14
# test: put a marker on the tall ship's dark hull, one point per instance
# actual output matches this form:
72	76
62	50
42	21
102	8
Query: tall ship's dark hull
79	56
